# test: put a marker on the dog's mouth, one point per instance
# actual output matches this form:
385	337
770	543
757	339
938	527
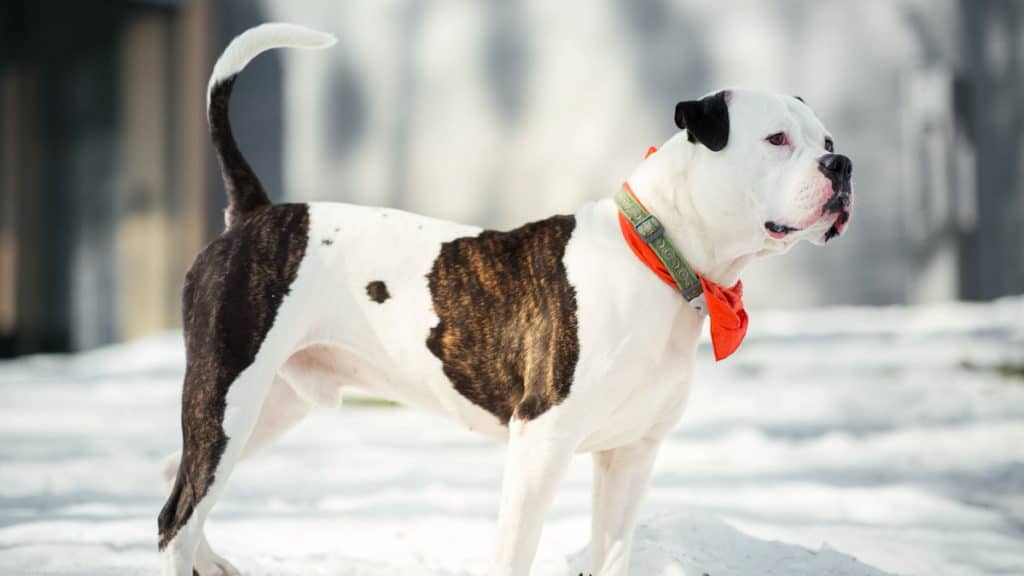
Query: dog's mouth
833	217
779	231
840	219
838	226
840	205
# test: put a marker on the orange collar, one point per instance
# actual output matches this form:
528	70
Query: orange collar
724	305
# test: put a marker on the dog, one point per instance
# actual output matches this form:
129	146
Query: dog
572	334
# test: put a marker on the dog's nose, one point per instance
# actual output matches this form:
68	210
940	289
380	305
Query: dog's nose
836	166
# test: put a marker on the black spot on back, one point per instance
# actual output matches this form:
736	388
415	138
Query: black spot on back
377	291
230	300
506	331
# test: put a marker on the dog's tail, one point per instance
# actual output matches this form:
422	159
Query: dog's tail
245	192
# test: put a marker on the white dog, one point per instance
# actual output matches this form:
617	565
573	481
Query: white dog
571	334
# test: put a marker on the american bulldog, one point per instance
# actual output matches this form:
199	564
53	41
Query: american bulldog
576	333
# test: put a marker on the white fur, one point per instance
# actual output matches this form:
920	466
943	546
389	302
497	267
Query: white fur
637	337
620	479
254	41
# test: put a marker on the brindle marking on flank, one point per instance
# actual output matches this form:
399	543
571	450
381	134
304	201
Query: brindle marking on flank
506	332
377	291
231	297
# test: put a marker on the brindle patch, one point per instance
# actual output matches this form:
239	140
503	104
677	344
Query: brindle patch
506	332
231	297
377	291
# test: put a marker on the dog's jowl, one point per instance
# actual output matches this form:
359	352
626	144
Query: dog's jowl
570	334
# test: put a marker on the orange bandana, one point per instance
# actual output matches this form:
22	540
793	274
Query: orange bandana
728	318
724	305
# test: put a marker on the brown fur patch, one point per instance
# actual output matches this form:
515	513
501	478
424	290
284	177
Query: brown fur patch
230	301
506	333
377	291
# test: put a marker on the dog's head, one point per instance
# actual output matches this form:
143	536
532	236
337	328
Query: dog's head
768	165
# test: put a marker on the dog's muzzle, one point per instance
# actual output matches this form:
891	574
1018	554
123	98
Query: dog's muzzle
838	169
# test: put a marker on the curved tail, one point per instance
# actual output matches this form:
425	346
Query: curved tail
245	192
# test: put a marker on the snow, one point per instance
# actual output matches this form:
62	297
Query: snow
837	441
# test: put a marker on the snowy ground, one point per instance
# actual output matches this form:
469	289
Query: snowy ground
844	441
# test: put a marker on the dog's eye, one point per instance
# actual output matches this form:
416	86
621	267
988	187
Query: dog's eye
829	146
778	139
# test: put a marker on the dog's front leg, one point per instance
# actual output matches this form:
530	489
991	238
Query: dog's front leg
620	478
536	462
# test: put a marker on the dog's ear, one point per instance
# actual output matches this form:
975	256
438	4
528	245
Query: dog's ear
706	120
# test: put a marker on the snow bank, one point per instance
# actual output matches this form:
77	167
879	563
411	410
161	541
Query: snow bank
701	544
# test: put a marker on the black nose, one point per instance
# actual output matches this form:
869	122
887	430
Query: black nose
835	166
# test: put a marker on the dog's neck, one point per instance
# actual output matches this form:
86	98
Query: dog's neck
719	253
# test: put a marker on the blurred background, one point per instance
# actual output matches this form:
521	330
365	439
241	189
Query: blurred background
493	113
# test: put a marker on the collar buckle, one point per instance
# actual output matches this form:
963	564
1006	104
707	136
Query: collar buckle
649	229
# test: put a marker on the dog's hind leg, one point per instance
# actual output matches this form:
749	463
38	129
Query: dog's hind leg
206	560
240	328
216	430
282	410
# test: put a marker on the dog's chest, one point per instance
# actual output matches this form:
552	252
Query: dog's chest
637	337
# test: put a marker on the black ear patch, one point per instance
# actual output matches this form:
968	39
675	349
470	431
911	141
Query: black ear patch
706	120
800	99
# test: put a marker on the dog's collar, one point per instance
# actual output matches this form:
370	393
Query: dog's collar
645	236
